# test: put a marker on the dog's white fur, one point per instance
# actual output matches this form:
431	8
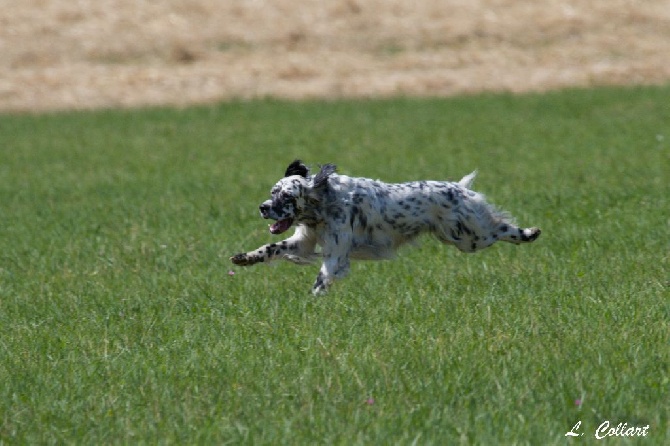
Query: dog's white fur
360	218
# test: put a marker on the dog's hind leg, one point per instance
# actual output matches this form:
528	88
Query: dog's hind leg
468	237
510	233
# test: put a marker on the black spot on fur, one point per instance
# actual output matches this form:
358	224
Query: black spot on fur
363	220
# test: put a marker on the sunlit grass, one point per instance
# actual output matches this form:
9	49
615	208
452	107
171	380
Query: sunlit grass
122	320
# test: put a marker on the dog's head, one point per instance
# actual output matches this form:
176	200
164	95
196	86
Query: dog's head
289	196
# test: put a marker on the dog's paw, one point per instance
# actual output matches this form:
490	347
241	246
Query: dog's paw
241	259
319	291
320	287
530	234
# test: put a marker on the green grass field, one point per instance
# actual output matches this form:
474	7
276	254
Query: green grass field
123	321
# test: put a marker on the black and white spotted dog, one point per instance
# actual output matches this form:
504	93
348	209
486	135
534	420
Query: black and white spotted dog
360	218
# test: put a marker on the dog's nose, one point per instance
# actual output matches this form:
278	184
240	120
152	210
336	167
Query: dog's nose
264	208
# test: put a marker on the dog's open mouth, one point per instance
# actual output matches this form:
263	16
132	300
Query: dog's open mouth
281	226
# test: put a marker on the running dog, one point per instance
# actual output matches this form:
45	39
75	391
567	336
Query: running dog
361	218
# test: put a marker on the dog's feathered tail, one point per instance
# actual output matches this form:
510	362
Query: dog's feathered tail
467	180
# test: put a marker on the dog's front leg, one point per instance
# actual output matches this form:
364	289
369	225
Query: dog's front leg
336	248
299	248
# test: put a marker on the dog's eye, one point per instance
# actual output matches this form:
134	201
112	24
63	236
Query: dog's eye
286	197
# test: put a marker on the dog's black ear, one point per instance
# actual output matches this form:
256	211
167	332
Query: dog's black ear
321	178
297	168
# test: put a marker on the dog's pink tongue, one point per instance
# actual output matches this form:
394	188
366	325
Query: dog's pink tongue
280	226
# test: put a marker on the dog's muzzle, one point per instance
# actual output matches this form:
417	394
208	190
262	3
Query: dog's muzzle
265	209
281	225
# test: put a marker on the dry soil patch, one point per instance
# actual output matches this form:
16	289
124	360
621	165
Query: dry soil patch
60	54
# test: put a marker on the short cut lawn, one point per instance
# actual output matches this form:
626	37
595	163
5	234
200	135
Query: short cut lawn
123	321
